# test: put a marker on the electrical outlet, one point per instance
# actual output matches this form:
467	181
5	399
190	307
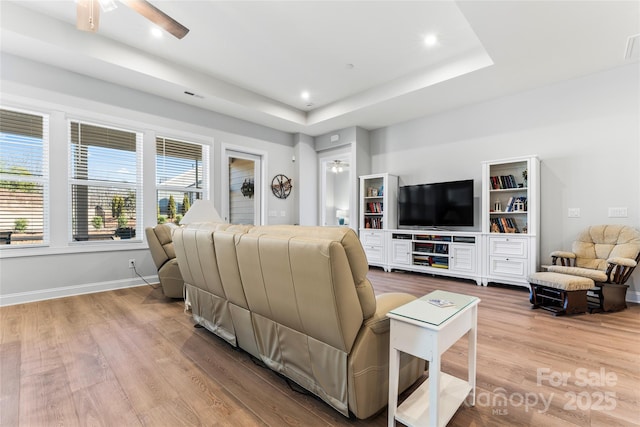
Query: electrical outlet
132	263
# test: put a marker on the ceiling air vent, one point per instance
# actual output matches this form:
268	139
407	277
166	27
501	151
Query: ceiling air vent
632	52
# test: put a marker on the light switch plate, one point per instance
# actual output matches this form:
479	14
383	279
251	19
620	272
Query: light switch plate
574	213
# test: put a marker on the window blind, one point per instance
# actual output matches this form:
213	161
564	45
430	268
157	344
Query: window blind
106	184
24	174
180	176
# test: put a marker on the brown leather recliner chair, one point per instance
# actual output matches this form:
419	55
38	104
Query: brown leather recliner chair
160	242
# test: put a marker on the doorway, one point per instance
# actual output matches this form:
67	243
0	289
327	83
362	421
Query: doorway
336	189
241	188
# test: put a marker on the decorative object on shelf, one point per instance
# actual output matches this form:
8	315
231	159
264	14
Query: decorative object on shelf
524	176
281	186
247	188
497	206
518	206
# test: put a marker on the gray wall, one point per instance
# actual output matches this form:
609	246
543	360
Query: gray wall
63	269
586	133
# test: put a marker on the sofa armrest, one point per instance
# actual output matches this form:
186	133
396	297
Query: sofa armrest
368	362
564	257
379	322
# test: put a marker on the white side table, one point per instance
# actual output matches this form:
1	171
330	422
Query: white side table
427	331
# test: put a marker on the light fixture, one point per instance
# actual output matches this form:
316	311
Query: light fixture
337	166
430	40
201	211
156	32
305	95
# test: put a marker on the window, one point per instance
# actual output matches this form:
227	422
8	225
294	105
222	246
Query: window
180	177
24	141
106	182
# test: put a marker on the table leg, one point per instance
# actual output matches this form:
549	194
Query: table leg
434	388
473	339
394	373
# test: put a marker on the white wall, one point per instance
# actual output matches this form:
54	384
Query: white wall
586	133
61	269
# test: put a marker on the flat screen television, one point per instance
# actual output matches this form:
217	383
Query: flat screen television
440	204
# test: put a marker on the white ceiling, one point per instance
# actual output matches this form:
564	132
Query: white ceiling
252	60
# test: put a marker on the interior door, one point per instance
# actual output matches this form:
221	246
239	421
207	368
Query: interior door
242	203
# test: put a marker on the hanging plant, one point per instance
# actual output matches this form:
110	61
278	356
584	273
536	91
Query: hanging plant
247	188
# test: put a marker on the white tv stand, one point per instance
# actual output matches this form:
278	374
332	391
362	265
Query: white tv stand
446	253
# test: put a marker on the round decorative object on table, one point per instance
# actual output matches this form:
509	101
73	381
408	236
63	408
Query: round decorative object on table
281	186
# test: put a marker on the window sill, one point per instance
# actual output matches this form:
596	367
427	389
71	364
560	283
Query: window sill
72	248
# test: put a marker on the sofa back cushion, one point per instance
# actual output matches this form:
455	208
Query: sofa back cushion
224	242
302	283
356	257
196	256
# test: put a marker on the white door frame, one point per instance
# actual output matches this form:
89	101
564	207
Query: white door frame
260	159
324	158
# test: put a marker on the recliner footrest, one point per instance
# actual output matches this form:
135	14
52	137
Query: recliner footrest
559	293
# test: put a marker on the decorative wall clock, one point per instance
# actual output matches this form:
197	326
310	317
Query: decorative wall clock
281	186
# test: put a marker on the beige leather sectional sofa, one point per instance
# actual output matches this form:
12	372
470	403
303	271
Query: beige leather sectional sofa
298	299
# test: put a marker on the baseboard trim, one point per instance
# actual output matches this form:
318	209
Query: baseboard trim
68	291
633	296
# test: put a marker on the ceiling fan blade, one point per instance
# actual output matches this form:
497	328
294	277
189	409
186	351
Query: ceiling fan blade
88	15
158	17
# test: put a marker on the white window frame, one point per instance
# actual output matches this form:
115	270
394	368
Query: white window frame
137	187
42	180
203	190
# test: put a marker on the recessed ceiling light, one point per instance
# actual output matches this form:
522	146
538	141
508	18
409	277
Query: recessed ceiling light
156	32
431	40
305	95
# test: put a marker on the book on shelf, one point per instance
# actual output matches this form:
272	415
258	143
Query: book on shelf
375	223
374	207
502	182
504	225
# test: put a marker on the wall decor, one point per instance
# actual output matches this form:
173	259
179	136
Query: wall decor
247	188
281	186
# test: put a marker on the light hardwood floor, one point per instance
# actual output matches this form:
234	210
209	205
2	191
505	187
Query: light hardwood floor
131	357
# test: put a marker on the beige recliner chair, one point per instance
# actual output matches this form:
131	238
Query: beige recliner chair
160	243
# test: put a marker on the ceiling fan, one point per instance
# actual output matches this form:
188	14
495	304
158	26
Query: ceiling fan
88	15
